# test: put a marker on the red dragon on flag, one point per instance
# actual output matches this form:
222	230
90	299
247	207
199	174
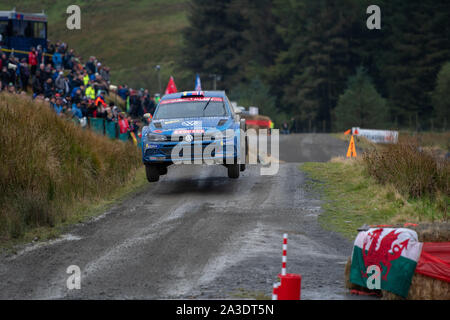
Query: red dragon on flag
385	253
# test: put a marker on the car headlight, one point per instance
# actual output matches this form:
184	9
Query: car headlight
156	137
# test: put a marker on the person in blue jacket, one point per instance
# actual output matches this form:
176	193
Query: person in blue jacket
57	60
76	110
58	105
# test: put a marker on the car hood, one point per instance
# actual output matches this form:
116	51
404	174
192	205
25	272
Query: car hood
167	126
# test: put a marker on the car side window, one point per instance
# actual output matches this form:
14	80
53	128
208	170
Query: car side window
229	106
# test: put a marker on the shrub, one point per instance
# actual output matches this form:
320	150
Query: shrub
411	170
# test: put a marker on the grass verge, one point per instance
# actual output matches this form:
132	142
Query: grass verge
54	173
80	212
352	198
431	140
436	142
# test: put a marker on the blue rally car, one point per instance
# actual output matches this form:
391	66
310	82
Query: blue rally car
194	128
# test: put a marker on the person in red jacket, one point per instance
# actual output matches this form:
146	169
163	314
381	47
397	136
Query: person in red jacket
100	101
123	124
32	60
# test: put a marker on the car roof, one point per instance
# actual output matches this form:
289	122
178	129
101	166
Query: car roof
218	94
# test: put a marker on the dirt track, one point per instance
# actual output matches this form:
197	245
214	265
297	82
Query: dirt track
310	147
195	234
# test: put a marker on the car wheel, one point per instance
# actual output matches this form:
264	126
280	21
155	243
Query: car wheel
162	171
242	167
233	171
152	173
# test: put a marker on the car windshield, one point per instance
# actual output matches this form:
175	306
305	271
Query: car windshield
175	109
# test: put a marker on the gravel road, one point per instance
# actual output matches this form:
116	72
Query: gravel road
197	235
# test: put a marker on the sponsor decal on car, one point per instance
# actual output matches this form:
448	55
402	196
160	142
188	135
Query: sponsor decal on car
201	99
196	131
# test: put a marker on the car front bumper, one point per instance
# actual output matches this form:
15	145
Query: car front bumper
196	151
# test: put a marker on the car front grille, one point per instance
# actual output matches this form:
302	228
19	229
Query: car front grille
197	137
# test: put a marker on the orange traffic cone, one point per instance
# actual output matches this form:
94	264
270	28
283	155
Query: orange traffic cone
351	149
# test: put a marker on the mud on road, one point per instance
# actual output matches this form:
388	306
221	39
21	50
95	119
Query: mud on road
197	235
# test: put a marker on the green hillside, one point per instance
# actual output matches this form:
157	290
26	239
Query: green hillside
129	36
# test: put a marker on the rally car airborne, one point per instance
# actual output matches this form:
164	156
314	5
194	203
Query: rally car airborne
195	128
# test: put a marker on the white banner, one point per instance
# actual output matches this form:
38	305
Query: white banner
377	136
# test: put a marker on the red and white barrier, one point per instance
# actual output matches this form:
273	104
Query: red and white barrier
284	258
290	286
275	291
377	136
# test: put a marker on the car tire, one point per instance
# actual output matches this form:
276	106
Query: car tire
162	170
152	173
242	167
233	171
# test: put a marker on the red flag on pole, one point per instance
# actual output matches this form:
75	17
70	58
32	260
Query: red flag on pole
171	87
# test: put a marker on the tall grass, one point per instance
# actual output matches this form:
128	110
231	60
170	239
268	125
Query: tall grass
413	171
47	164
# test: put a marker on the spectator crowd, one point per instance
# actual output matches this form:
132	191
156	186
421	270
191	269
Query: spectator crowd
73	89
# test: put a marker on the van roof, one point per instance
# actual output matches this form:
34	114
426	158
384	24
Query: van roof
8	15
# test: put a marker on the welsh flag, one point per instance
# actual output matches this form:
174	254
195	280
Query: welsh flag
395	251
171	87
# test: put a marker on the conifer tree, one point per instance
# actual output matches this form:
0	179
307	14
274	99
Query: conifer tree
361	105
441	99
